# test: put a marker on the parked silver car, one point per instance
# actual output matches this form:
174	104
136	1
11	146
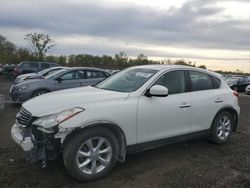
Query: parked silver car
63	79
39	75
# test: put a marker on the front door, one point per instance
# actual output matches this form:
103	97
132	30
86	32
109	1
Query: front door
70	80
162	117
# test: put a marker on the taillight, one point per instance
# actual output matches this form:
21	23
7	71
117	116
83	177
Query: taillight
236	94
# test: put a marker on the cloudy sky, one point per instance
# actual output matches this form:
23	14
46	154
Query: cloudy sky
211	32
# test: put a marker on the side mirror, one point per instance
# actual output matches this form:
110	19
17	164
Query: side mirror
59	80
157	91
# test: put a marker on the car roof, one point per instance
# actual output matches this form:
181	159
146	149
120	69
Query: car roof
169	67
86	68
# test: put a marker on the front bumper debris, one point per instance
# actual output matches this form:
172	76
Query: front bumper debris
38	146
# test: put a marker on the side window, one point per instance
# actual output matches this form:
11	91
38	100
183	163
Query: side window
24	65
174	81
44	65
27	65
33	65
216	82
200	81
95	74
74	75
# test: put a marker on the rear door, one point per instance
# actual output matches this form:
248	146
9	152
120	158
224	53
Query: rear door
206	99
92	77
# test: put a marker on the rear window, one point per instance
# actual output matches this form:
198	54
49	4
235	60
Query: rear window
91	74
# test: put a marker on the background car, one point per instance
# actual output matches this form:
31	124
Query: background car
247	90
39	75
62	79
9	69
32	67
238	83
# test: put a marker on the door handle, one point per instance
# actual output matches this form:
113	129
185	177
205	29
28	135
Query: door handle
218	100
185	105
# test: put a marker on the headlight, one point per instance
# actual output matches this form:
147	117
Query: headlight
47	122
21	88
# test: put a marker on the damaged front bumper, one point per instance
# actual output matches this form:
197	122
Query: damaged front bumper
25	142
38	146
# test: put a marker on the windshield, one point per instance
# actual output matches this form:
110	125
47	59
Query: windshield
55	75
42	72
128	80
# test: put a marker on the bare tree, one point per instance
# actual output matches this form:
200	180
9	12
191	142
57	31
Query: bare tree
41	43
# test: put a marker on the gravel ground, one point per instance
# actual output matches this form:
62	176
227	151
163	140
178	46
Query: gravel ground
196	163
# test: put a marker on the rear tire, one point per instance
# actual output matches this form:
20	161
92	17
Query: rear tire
91	154
39	92
221	127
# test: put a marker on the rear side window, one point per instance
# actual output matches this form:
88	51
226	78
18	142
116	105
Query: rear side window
95	74
216	82
174	81
200	81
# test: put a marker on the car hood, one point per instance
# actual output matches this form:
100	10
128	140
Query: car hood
32	82
21	78
64	99
26	75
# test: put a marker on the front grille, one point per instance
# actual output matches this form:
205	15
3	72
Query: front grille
24	117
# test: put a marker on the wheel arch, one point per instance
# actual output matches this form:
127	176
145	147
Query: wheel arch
234	115
48	90
112	127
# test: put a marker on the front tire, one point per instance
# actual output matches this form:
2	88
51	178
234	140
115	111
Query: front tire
91	154
221	128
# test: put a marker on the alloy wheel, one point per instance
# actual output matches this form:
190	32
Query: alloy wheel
223	127
94	155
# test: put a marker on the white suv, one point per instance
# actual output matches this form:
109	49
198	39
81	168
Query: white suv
136	109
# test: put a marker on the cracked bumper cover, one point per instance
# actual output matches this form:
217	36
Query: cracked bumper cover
26	143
